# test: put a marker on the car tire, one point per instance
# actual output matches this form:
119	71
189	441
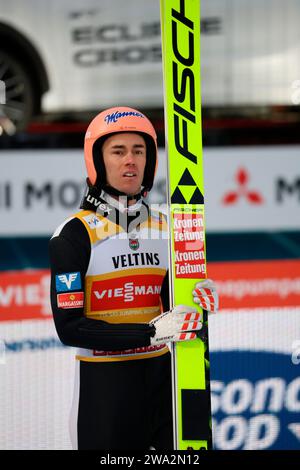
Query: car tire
18	99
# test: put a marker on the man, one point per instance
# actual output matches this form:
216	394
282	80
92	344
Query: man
109	285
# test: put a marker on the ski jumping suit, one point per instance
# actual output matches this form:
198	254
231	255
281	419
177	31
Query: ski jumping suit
108	280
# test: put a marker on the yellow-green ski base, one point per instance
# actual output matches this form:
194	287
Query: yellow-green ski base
180	27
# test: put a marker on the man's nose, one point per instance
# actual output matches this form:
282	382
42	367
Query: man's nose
129	158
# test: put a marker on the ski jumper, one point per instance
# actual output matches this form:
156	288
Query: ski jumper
108	280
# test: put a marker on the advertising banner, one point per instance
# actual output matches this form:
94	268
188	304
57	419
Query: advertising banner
247	189
257	284
255	355
253	188
255	379
25	295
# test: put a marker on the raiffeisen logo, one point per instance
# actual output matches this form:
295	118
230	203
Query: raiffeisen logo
261	408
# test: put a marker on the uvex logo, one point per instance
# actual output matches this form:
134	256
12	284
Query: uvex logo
242	191
100	205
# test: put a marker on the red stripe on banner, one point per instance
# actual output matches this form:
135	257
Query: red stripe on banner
248	284
25	295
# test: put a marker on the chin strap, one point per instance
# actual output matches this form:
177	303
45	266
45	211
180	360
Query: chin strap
96	198
115	192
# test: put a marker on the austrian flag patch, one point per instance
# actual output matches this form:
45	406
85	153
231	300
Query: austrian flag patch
70	300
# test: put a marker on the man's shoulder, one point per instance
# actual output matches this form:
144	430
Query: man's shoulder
89	225
70	246
72	227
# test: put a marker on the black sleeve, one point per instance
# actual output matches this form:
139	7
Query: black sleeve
164	293
70	252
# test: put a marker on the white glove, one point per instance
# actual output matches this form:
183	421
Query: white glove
179	324
206	296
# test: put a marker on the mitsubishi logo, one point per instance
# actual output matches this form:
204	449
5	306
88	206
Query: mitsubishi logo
242	191
187	191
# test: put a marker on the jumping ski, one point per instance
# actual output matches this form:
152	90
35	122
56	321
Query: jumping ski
180	32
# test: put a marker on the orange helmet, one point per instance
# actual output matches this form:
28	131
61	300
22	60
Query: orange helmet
110	121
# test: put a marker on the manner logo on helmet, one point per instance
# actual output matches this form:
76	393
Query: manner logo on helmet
113	117
183	193
67	281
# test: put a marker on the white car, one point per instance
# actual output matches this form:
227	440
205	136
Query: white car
79	55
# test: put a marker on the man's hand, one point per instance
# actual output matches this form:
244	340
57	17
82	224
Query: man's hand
179	324
206	296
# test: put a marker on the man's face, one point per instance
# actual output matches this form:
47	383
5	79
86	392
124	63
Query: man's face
124	158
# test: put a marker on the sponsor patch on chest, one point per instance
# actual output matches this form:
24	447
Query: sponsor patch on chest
124	292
